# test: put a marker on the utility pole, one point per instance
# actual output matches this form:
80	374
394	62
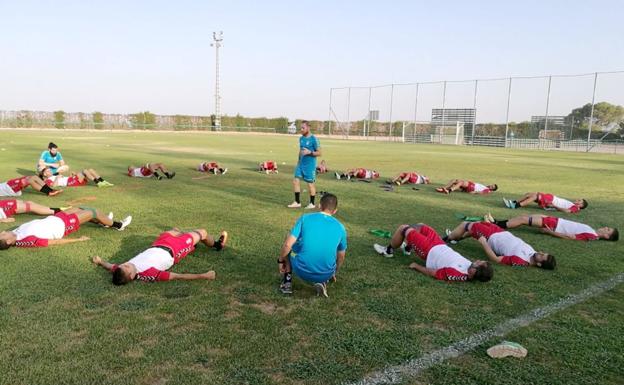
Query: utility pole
217	38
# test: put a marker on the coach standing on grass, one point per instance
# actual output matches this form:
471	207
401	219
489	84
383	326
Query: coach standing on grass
309	149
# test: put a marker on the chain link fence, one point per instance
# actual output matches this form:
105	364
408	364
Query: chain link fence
570	112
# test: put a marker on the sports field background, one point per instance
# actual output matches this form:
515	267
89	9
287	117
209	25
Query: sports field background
62	321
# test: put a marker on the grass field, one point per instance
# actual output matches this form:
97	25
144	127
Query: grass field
63	322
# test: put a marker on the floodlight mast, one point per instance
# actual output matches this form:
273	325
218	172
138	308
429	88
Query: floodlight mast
217	38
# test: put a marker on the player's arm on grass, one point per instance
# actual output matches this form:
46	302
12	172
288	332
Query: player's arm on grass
422	269
100	262
556	234
53	242
209	275
489	252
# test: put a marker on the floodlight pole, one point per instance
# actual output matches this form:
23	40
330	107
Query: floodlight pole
217	38
367	128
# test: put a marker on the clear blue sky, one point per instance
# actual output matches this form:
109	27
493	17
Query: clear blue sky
281	57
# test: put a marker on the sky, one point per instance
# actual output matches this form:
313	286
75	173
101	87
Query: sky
280	58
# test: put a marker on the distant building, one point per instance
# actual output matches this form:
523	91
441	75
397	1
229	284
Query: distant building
554	122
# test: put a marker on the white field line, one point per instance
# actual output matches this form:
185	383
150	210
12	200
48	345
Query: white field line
412	368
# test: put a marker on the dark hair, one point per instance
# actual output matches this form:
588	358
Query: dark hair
615	235
305	122
41	172
4	245
119	278
549	263
494	187
329	202
484	272
583	204
51	145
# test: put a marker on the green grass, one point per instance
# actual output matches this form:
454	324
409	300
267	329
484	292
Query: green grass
63	322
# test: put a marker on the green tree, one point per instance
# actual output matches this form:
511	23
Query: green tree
607	116
143	120
59	119
98	120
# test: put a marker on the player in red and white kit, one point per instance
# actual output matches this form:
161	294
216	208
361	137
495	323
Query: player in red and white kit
547	201
14	187
501	246
150	170
359	173
11	207
74	179
268	166
211	167
322	167
409	178
441	262
467	186
167	250
51	230
559	227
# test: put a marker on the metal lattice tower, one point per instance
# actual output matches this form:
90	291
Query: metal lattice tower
218	38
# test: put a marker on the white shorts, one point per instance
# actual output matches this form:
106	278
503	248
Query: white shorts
137	173
6	191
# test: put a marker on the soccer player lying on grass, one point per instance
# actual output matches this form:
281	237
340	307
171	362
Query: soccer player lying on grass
547	201
501	246
314	249
441	262
167	250
51	230
359	173
10	207
322	167
268	167
74	179
467	186
150	170
212	167
409	178
14	187
558	227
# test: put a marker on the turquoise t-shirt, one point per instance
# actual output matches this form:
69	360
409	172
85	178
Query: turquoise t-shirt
48	158
308	162
319	237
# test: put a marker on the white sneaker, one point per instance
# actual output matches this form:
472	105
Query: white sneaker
382	250
225	170
110	215
404	249
310	206
447	232
294	205
321	289
125	222
337	175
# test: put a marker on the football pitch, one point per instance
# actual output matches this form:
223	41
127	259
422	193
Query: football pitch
63	322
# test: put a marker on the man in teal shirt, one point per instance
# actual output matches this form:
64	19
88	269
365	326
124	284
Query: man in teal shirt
315	248
53	160
309	150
